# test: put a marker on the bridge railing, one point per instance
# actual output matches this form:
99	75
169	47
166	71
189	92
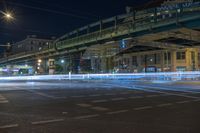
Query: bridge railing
143	19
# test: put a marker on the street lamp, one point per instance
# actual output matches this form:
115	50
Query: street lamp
7	15
62	61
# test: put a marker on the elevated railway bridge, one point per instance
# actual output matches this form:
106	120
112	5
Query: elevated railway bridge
160	28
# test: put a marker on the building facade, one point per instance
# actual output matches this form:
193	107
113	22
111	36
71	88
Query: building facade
187	59
31	44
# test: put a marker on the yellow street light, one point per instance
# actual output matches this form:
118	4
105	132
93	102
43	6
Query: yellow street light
7	15
39	61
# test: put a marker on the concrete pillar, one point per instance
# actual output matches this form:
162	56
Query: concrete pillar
188	60
103	64
173	61
52	67
162	61
139	62
131	63
196	59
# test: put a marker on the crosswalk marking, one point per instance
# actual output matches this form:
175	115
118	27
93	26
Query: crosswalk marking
3	99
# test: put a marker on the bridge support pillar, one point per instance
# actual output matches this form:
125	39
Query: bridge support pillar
173	56
162	63
52	67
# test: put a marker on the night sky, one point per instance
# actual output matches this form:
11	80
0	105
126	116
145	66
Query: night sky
47	18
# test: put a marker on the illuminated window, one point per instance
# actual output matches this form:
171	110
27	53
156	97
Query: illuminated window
180	55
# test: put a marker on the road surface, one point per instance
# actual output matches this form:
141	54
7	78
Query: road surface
99	107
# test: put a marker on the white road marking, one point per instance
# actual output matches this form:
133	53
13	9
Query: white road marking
84	105
143	88
100	108
64	113
150	96
124	93
117	112
95	95
110	94
196	100
172	94
9	126
45	95
118	99
181	102
78	96
164	105
47	121
4	101
143	108
86	116
2	98
99	101
135	97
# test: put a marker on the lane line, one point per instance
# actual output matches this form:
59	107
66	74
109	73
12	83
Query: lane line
84	105
100	108
86	116
164	105
143	108
124	93
77	96
168	89
135	97
9	126
2	98
4	101
152	89
117	112
181	102
99	101
64	113
111	94
196	100
118	99
172	94
46	121
45	95
95	95
151	96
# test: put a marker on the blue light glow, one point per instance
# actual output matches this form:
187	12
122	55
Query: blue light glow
124	76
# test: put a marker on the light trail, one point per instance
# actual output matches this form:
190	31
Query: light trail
175	76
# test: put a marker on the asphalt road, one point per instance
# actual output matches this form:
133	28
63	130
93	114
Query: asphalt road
98	107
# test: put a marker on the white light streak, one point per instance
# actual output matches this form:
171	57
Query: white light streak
155	76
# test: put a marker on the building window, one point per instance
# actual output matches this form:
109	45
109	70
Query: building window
167	56
180	55
134	60
157	58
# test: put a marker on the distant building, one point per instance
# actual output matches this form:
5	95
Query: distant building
30	44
